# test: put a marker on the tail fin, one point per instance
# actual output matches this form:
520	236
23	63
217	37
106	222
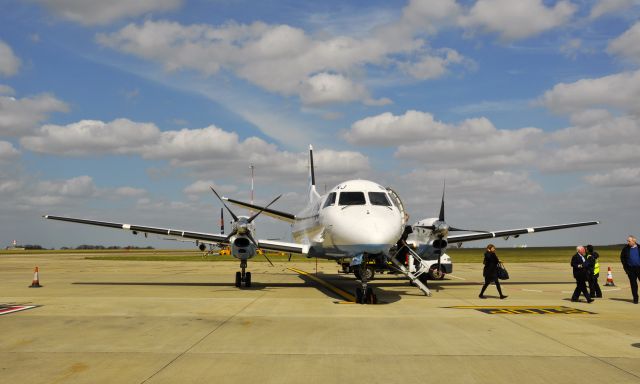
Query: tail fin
313	194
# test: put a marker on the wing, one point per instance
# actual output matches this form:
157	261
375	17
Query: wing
515	232
284	216
203	237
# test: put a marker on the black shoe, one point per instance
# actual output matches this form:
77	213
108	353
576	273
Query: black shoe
589	301
503	297
482	296
635	301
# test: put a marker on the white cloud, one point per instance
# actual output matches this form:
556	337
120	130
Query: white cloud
7	151
9	62
77	187
326	88
517	19
97	12
627	45
203	187
433	66
620	91
472	143
603	7
130	192
88	137
6	90
623	177
387	129
19	117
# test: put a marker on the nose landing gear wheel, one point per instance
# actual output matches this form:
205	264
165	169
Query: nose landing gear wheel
238	279
247	279
366	296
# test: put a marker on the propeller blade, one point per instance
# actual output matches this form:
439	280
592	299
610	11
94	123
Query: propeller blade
431	227
262	210
265	256
235	218
441	215
234	232
290	254
248	234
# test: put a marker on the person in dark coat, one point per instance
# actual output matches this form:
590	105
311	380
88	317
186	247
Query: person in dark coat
580	271
630	259
490	271
594	272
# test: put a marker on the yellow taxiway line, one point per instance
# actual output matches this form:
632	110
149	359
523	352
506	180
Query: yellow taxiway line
350	298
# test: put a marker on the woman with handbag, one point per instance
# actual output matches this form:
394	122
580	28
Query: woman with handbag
490	271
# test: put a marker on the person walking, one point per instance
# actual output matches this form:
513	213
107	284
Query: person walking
490	271
578	262
630	259
594	272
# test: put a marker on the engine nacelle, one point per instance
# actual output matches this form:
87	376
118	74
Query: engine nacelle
242	248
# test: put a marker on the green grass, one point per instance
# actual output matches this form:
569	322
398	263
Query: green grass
609	255
532	254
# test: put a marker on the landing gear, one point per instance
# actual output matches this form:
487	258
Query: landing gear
436	273
369	272
364	294
243	277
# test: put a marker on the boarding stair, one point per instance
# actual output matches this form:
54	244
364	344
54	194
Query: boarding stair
413	276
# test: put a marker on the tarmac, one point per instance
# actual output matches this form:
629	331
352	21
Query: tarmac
186	322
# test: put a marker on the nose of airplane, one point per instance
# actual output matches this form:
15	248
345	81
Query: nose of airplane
366	232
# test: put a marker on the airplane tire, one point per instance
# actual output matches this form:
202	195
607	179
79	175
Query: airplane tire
247	279
238	279
370	297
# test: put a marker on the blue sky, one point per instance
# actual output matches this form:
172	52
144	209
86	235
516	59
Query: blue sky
127	111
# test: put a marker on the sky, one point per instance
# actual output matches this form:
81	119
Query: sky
528	111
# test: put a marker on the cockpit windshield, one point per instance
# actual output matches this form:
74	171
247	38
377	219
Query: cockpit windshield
331	199
351	198
379	198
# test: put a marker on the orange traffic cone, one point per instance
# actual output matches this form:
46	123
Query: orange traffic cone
609	278
36	280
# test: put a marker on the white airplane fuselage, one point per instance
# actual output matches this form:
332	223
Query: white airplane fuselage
355	217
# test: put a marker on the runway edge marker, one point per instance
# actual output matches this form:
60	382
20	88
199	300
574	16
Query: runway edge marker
610	282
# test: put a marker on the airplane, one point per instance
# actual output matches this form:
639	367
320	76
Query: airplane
357	220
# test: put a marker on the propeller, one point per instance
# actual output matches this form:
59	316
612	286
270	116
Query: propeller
442	229
242	222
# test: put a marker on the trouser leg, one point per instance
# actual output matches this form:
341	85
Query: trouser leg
576	292
596	286
498	286
484	287
582	284
634	275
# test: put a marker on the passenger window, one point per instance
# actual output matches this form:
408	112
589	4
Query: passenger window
351	198
379	198
331	199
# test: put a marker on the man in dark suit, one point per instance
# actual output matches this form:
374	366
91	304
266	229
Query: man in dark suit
630	259
580	274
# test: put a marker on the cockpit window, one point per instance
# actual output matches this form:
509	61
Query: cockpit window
331	199
379	198
351	198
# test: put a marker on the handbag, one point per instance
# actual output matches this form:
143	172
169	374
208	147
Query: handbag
502	272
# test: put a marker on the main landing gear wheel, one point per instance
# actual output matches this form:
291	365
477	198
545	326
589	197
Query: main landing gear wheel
242	277
436	273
